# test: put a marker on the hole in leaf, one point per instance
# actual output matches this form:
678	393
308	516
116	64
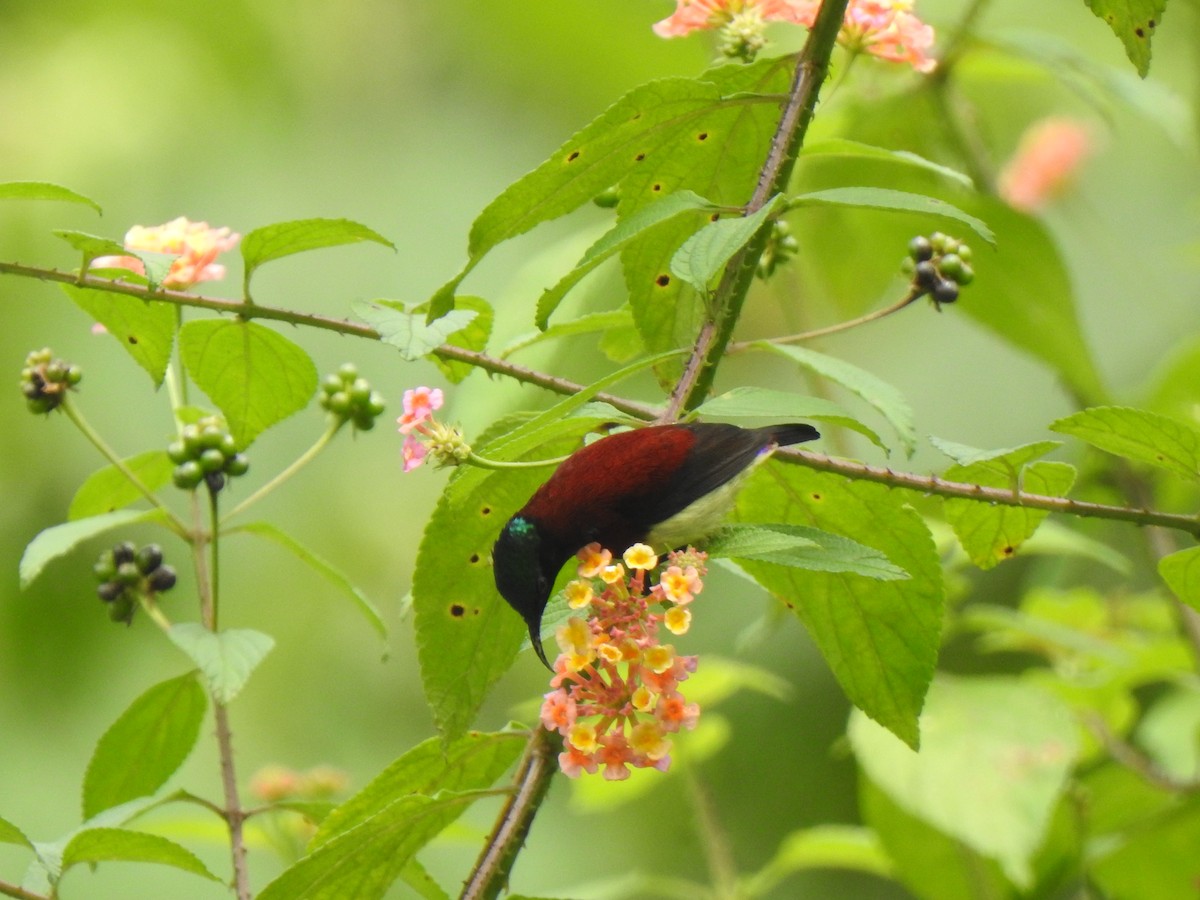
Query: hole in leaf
662	280
1008	551
133	339
574	156
656	187
639	157
485	510
714	217
702	136
474	559
816	496
457	610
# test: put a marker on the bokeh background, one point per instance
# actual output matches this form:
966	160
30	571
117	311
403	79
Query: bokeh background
409	117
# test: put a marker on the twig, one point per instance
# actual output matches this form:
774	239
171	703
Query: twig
491	871
233	813
12	890
482	361
907	300
1136	761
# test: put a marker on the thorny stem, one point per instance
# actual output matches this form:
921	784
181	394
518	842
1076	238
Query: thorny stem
489	364
713	338
532	781
299	463
172	521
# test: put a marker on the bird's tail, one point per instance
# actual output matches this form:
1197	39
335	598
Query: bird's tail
783	435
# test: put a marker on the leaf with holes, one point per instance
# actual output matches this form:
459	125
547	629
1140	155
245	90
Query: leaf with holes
255	376
611	242
1134	22
271	242
145	746
880	638
145	328
1137	435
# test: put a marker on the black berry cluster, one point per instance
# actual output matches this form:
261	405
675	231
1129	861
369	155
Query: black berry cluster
781	246
939	266
350	398
207	452
126	573
45	380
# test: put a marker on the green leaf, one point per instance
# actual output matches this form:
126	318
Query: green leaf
11	834
226	658
704	255
803	548
471	762
407	330
1023	293
893	201
643	124
56	540
145	328
145	745
880	638
107	489
716	152
991	534
1181	572
255	376
625	231
1137	435
92	245
271	242
95	845
878	393
422	883
588	323
330	573
847	847
44	190
1133	21
1154	860
757	403
841	147
363	862
1013	743
472	336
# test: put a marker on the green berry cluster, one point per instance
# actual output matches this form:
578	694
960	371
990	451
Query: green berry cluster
939	266
781	246
207	452
126	573
350	398
45	380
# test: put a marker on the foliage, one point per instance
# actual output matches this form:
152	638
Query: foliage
1060	762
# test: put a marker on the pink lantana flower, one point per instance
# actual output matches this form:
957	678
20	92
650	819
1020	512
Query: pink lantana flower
1047	160
615	693
698	15
195	245
423	434
889	30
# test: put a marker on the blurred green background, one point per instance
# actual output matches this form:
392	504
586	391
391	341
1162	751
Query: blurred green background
409	117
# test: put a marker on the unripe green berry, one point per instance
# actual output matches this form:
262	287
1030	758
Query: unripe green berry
360	391
964	252
56	372
364	422
237	465
149	558
938	241
74	375
228	446
187	475
348	372
191	440
339	403
121	609
105	568
177	452
376	404
211	437
331	383
128	574
212	460
950	266
966	276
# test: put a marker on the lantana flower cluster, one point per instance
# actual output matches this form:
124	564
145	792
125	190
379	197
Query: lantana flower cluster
423	434
195	244
888	29
615	696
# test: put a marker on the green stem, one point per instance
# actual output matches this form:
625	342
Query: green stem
215	559
739	346
715	334
13	890
154	611
300	462
483	462
172	520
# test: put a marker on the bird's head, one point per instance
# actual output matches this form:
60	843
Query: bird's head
522	569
